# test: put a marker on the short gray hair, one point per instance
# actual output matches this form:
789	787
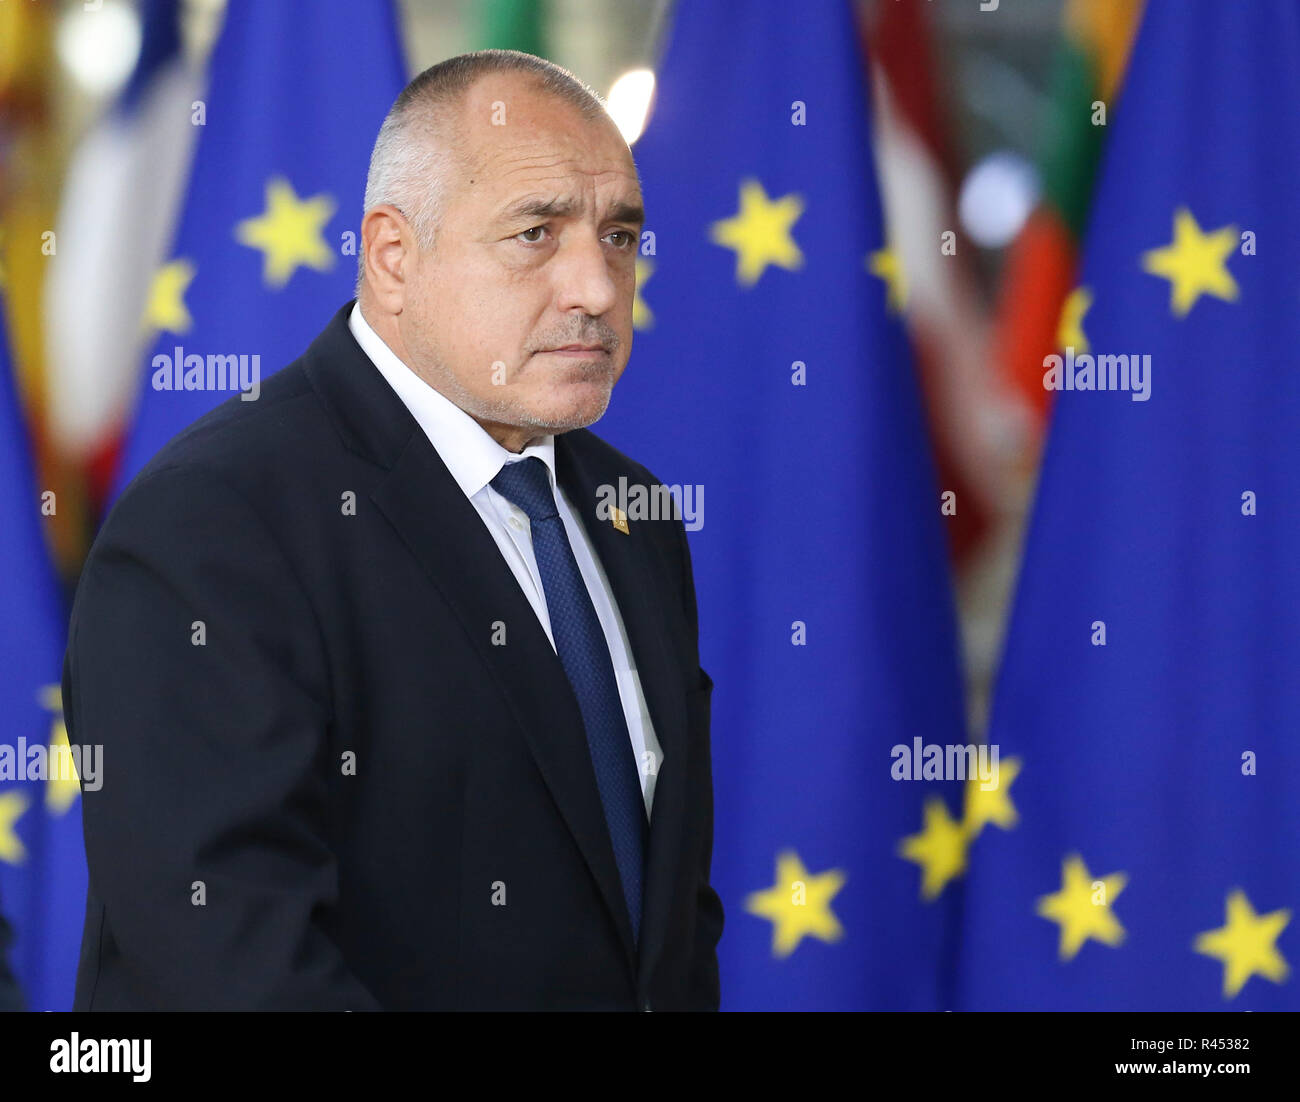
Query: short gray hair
416	146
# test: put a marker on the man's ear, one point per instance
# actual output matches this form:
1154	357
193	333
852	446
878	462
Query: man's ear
389	251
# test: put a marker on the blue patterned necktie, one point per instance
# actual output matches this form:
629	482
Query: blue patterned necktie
584	653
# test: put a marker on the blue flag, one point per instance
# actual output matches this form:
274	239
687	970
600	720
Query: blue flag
42	854
267	246
771	386
1148	856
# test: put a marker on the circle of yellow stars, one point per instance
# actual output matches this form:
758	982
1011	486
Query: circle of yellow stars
942	846
762	234
799	902
1195	262
290	234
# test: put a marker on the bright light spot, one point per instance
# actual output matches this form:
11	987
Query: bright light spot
629	101
996	197
99	47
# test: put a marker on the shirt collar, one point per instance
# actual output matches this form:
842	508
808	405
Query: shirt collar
469	452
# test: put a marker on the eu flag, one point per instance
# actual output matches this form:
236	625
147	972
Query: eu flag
771	387
42	855
267	244
1148	858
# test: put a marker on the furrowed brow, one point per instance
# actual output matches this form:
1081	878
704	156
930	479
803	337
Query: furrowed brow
539	208
632	213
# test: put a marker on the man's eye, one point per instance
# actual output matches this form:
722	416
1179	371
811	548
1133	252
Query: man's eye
539	230
625	238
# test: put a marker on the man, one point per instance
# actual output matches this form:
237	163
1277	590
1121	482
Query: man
392	717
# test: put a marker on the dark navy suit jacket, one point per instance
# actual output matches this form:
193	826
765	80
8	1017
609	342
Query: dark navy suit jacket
11	997
324	787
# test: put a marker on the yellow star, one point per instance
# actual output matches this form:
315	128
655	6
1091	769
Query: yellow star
61	790
1195	263
888	265
642	318
798	905
1246	944
1083	909
993	805
760	232
165	307
12	805
940	848
289	232
1069	330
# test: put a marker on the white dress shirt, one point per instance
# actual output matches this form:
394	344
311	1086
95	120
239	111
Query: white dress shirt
474	459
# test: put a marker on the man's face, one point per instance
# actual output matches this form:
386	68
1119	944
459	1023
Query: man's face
522	311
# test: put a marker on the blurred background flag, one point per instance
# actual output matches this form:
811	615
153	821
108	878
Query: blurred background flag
117	217
42	857
771	381
513	25
945	316
268	240
30	172
1036	306
1149	697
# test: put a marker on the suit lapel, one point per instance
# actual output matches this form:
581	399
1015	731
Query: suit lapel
627	560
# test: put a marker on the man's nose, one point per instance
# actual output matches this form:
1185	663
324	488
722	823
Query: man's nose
583	280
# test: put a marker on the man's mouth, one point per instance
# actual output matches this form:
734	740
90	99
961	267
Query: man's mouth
576	350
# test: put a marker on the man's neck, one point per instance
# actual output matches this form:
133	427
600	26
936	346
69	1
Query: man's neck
514	438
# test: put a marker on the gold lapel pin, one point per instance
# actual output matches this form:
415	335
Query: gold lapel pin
619	519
